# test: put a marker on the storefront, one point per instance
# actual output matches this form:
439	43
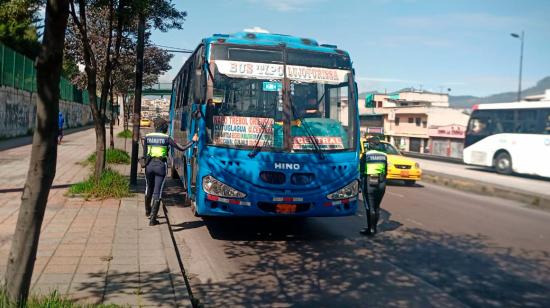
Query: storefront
447	140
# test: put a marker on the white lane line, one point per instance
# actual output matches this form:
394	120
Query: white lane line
396	194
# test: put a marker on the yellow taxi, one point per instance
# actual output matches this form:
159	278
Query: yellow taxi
145	122
399	166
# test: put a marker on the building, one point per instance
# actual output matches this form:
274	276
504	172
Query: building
417	121
152	108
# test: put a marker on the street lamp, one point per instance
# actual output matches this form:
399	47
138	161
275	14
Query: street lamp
521	37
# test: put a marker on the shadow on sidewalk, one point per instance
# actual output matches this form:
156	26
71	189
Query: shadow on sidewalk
20	189
141	288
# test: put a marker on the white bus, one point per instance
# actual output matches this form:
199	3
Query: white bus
510	137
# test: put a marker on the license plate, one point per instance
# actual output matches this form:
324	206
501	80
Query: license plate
404	173
285	208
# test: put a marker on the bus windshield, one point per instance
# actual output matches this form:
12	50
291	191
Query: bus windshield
245	109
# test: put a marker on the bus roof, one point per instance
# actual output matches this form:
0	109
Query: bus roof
269	39
516	105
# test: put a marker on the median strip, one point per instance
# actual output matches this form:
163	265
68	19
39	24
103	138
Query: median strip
487	189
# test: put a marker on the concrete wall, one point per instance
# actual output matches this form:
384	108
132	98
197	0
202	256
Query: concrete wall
18	112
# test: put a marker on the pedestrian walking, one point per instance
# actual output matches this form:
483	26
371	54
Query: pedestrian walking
155	149
374	166
60	123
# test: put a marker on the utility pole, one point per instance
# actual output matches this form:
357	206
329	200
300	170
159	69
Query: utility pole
137	98
521	37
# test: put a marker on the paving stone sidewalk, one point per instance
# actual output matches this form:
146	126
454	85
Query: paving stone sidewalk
93	251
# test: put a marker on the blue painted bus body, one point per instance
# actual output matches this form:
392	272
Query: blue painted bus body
236	168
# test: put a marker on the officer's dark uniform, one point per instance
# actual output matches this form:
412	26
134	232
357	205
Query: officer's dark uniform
374	165
155	147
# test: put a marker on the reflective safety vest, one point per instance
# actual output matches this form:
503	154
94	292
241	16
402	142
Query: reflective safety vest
375	162
157	145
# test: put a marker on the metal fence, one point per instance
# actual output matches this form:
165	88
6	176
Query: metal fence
18	71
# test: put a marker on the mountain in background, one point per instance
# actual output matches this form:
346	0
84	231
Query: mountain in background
466	101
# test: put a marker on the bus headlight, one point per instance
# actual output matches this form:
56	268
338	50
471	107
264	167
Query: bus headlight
348	191
214	187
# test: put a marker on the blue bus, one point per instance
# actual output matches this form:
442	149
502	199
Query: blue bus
278	127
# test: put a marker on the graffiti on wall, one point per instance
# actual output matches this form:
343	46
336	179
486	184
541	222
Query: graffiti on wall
18	113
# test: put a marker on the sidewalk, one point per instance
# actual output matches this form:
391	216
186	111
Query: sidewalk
93	251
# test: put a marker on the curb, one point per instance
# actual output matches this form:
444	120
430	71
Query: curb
487	189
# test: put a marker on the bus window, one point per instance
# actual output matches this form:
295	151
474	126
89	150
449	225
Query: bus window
478	126
546	121
527	121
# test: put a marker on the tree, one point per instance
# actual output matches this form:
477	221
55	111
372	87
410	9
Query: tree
43	156
99	33
19	21
88	16
162	15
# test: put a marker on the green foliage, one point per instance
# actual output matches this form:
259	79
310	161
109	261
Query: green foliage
52	300
113	156
125	134
18	25
111	185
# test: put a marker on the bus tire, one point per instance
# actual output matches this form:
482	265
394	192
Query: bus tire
503	163
410	182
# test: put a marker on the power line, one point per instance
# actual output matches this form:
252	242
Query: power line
174	49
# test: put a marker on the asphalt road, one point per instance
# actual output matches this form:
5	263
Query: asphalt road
438	247
532	184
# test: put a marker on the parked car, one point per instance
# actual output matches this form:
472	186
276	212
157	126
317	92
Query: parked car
399	166
145	123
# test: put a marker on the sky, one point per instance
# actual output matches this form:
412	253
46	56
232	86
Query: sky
436	45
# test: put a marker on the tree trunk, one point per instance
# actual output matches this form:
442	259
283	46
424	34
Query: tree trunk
43	155
137	99
125	107
111	133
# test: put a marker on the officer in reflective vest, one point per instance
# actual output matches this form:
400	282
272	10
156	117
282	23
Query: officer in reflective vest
155	147
374	166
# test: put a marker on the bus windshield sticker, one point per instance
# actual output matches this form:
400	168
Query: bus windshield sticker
268	86
325	143
242	131
239	69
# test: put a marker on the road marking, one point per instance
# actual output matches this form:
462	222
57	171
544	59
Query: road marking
396	194
414	222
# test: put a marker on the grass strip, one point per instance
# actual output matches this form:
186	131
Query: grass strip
113	156
111	185
125	134
51	300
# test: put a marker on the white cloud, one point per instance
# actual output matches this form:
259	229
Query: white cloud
256	29
285	5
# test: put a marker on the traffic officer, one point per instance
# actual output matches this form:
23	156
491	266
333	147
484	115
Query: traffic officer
155	147
374	166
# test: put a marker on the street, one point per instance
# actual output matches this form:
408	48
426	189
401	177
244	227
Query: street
437	247
529	184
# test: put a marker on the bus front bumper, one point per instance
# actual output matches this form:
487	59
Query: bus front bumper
278	206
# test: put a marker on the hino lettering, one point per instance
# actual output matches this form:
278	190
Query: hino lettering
287	166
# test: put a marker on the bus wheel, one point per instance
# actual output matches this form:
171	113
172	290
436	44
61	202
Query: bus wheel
410	182
503	163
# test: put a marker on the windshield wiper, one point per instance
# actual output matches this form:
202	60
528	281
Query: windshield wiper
308	132
256	149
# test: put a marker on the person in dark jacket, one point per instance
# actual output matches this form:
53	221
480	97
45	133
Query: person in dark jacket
155	149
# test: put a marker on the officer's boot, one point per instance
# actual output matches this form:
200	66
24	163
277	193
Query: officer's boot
148	205
153	218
